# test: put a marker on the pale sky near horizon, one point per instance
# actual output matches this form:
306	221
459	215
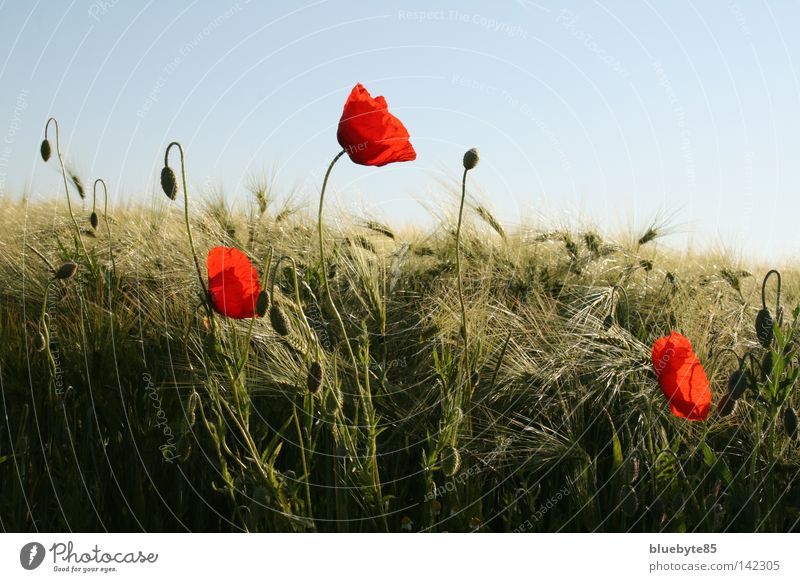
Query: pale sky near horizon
608	112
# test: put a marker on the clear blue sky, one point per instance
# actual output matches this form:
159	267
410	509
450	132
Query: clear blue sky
606	112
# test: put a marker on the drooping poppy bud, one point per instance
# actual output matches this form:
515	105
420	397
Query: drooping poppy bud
314	379
262	303
766	365
681	377
764	327
169	183
737	384
790	422
727	404
371	135
278	320
67	270
471	158
45	150
93	220
608	322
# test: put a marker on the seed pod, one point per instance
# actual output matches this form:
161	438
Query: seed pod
314	379
44	149
726	406
737	384
471	158
764	323
169	183
278	320
39	342
66	270
93	220
766	365
790	422
629	502
262	303
451	461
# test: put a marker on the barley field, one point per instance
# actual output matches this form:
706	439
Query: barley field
362	395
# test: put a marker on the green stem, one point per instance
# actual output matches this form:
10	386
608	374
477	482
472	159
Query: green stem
79	240
459	275
301	444
105	218
188	225
324	268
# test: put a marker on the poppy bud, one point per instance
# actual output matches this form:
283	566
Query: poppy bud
764	323
278	320
451	461
737	384
314	379
790	422
608	321
471	158
766	365
726	406
39	342
169	182
93	219
262	303
45	150
66	270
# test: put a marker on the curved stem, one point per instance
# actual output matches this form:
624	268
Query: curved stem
324	267
739	361
105	219
186	220
66	189
764	289
459	276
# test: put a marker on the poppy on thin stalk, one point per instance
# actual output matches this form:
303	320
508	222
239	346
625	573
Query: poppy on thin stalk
370	136
682	377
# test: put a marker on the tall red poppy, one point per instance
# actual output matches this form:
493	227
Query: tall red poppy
682	377
233	283
371	135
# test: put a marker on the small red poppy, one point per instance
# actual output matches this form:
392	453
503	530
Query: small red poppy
371	135
233	284
682	377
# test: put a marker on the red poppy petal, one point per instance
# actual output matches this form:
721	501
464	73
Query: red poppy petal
371	135
233	283
681	377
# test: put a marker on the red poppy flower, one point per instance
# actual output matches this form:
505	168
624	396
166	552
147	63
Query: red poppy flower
682	377
371	135
233	283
